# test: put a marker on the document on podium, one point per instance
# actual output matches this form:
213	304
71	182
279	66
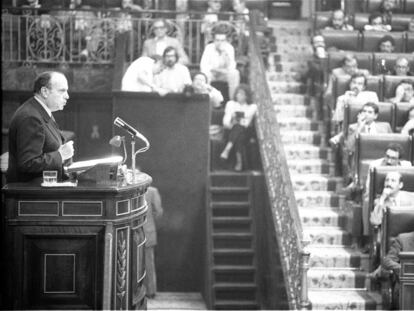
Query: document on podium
81	166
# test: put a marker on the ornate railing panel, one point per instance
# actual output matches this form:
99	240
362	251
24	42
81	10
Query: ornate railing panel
79	36
281	196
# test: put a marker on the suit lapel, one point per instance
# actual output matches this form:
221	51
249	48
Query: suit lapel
50	123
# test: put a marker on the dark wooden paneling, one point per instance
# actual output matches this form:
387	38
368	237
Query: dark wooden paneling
177	128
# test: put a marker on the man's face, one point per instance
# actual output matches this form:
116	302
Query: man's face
369	114
338	19
392	157
350	66
170	58
393	182
199	82
318	41
57	95
219	40
214	5
408	92
401	67
386	47
376	21
160	29
388	5
357	84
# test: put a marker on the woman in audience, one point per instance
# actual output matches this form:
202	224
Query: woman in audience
238	117
338	21
376	23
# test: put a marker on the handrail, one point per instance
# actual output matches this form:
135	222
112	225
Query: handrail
287	223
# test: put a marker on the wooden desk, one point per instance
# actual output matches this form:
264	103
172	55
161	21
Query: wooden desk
407	281
75	248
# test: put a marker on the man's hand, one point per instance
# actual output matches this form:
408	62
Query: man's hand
66	150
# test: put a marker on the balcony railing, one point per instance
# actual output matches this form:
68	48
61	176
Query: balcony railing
88	36
286	220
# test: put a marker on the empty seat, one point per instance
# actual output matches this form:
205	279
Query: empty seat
387	60
364	59
400	22
370	40
374	83
401	115
386	114
409	45
321	19
374	5
370	147
360	20
390	84
342	40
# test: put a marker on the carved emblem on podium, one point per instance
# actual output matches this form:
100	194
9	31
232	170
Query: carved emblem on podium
121	269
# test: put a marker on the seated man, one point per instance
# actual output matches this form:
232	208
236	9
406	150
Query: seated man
376	23
338	21
386	8
139	76
408	127
201	86
404	242
355	95
391	196
404	92
349	67
157	45
174	76
401	67
218	61
386	44
392	157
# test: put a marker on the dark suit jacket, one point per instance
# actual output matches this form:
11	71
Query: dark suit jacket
34	140
380	128
403	243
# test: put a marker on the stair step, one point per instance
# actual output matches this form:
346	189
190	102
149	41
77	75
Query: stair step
316	182
311	166
301	137
229	194
235	290
323	217
328	236
233	256
336	278
234	273
299	124
286	87
302	152
226	239
283	76
233	268
290	99
231	220
318	198
233	285
233	209
297	66
338	257
288	112
343	300
232	224
229	179
238	304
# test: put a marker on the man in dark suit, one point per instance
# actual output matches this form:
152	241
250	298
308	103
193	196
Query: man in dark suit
404	242
35	141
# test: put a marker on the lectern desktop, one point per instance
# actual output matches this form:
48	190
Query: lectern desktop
75	248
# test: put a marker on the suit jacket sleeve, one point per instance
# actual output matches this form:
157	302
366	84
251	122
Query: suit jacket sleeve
391	261
33	158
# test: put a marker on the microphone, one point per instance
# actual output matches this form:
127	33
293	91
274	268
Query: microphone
133	132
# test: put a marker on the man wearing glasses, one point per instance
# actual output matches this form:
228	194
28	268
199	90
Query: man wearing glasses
157	44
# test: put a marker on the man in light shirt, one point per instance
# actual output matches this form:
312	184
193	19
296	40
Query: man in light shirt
218	62
174	76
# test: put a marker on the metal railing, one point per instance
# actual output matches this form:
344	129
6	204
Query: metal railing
79	36
287	223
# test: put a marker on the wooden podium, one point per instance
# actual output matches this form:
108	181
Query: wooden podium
75	248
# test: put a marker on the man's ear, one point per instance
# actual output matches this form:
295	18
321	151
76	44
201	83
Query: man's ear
401	185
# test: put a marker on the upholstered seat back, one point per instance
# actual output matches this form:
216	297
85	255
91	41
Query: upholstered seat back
370	40
364	59
388	60
374	83
401	115
391	82
342	40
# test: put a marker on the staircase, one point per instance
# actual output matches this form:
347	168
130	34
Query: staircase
337	274
233	269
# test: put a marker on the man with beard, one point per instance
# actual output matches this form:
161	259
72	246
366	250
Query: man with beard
391	196
174	76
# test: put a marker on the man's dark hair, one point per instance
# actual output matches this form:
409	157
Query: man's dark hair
385	39
357	75
169	49
347	58
375	15
42	80
372	105
247	91
397	148
404	81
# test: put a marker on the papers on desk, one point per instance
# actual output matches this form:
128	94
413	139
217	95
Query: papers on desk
81	166
59	184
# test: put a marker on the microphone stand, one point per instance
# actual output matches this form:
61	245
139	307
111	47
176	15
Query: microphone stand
134	154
